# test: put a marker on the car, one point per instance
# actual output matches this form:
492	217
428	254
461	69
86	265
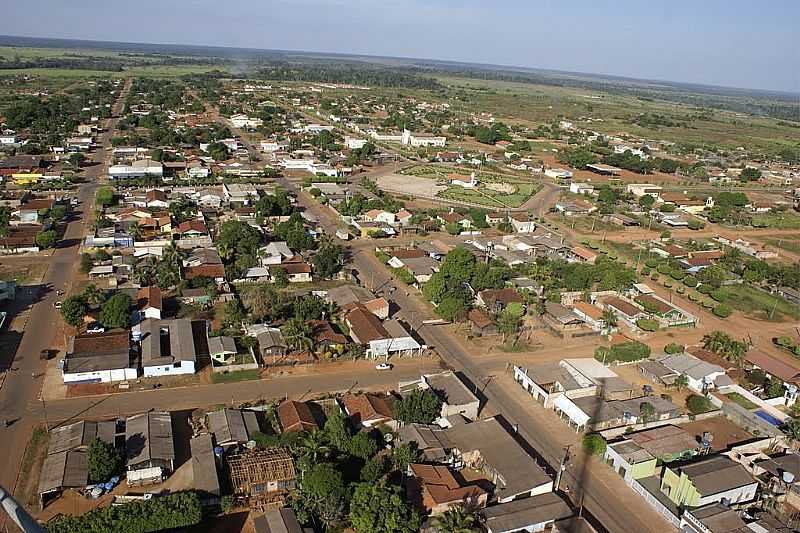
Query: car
58	304
384	366
95	327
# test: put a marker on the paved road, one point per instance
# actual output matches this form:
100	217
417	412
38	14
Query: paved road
21	388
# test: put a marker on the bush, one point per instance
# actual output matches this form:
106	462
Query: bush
663	268
681	290
104	461
693	297
722	310
698	404
654	276
690	281
677	274
646	271
178	510
652	263
718	295
705	289
625	352
647	324
404	275
673	347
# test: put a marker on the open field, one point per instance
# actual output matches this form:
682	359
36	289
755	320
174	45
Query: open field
784	220
162	71
529	104
790	243
759	304
496	191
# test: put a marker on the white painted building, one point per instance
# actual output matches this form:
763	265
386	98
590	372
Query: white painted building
137	169
418	140
354	143
243	121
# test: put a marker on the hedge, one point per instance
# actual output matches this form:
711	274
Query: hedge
722	310
673	347
718	295
181	509
690	281
677	274
647	324
652	263
698	404
705	289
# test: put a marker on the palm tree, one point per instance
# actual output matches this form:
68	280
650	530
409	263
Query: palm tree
135	231
298	334
609	317
94	296
716	341
313	447
456	519
681	382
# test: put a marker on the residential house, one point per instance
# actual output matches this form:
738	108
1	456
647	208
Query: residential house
481	323
379	215
239	193
299	272
325	338
192	228
537	513
137	169
467	182
205	478
701	376
435	489
495	218
624	310
456	397
156	199
167	347
522	223
270	341
99	358
277	521
149	303
222	349
368	409
495	300
233	427
709	480
296	416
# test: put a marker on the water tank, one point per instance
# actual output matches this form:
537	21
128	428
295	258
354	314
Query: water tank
787	477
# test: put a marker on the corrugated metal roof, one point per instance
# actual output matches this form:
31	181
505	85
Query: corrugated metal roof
64	470
204	465
148	436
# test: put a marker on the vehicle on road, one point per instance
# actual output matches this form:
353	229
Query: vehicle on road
384	366
58	304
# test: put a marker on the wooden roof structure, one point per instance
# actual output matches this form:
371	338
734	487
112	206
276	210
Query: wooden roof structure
262	474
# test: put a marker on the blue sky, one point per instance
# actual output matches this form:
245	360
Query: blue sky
751	44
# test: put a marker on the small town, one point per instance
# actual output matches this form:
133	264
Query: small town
302	294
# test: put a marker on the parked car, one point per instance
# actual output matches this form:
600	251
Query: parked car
384	366
58	304
95	327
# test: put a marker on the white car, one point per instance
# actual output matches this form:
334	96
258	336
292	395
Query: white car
57	305
95	327
384	366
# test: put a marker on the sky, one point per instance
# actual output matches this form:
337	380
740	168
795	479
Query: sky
736	43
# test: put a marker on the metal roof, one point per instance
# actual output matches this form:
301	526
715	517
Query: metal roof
204	465
232	425
148	436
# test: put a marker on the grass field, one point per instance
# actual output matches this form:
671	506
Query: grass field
759	304
735	397
790	243
785	220
159	71
231	377
483	194
530	104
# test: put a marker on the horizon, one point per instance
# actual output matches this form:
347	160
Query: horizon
718	44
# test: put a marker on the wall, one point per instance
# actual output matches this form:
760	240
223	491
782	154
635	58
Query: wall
187	367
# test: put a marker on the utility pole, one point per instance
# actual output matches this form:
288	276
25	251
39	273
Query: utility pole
44	411
563	466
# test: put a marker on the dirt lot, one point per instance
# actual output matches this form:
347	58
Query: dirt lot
25	274
725	432
410	185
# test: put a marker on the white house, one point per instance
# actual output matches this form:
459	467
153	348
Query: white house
558	173
137	169
273	146
239	192
166	347
581	188
379	215
149	302
701	376
243	121
468	182
418	140
99	358
354	143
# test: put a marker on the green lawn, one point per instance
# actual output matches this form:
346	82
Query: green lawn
759	304
790	243
741	400
232	377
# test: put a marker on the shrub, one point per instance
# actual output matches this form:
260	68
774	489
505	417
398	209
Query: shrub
673	347
690	281
677	274
693	297
705	289
654	276
681	290
718	295
698	404
625	352
647	324
652	263
646	271
664	268
722	310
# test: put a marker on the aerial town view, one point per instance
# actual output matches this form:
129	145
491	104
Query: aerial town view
336	266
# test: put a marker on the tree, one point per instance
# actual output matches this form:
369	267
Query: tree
722	310
373	469
421	406
86	263
94	296
452	307
380	508
104	196
279	277
45	239
76	159
456	519
328	260
298	334
363	445
647	412
698	404
594	444
792	429
646	202
681	382
673	348
73	309
322	494
104	461
609	317
58	212
336	432
116	312
725	346
312	447
775	388
508	323
750	174
404	455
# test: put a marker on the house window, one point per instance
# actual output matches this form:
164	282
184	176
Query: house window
177	365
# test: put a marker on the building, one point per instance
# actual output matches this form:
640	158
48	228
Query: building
468	182
522	223
270	341
495	300
701	376
240	193
277	521
262	476
435	489
708	481
640	189
167	347
137	169
604	170
99	358
369	410
149	303
222	349
419	140
456	397
481	323
149	441
232	427
243	121
537	513
296	416
205	478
